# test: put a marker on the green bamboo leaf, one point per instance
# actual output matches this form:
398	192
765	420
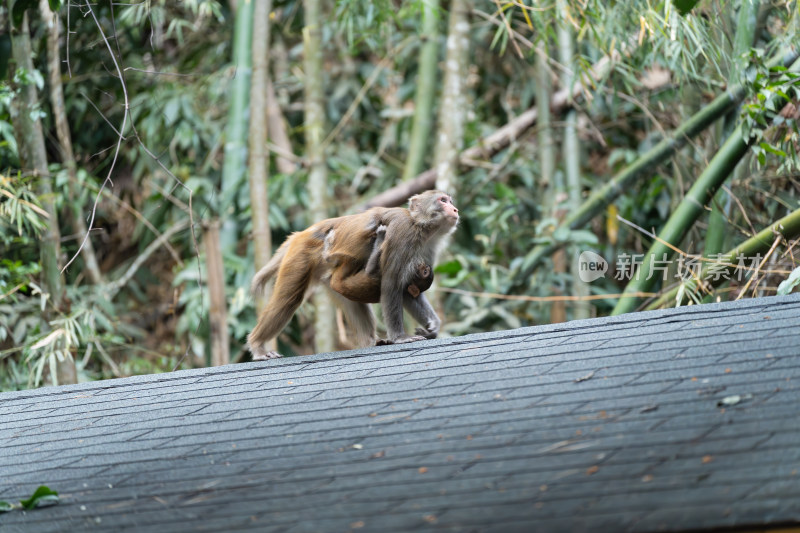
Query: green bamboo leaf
6	507
42	495
771	149
450	268
789	283
561	234
505	192
685	6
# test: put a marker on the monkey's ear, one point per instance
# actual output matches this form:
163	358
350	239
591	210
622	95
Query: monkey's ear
413	203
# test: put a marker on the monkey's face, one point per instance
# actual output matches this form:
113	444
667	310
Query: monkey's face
448	208
435	207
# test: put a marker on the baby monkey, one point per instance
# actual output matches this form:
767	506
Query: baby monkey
362	283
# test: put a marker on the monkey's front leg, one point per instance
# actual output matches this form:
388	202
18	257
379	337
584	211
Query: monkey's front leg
392	300
423	312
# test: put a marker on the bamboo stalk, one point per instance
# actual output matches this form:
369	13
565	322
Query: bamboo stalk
58	108
325	318
426	89
687	213
788	227
494	143
28	131
217	309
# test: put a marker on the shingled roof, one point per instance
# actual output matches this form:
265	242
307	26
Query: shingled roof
673	420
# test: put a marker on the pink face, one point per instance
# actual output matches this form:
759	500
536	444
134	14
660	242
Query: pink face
450	210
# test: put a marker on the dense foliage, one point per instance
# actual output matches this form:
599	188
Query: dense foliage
148	193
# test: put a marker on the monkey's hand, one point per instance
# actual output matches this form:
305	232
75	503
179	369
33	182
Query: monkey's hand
428	334
431	329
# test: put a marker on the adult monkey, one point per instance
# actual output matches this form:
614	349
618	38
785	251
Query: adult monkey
411	237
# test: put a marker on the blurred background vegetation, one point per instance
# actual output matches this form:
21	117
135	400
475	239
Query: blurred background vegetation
629	128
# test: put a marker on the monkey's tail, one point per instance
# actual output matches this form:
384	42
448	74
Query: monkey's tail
293	280
269	270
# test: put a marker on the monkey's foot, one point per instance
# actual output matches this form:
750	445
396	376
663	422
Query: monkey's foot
266	356
400	340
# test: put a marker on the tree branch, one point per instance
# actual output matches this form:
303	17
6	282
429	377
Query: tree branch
496	142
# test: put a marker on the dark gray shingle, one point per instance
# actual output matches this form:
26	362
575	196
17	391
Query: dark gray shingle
613	424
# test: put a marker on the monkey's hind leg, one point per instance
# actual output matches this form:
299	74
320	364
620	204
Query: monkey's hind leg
290	288
359	317
264	355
